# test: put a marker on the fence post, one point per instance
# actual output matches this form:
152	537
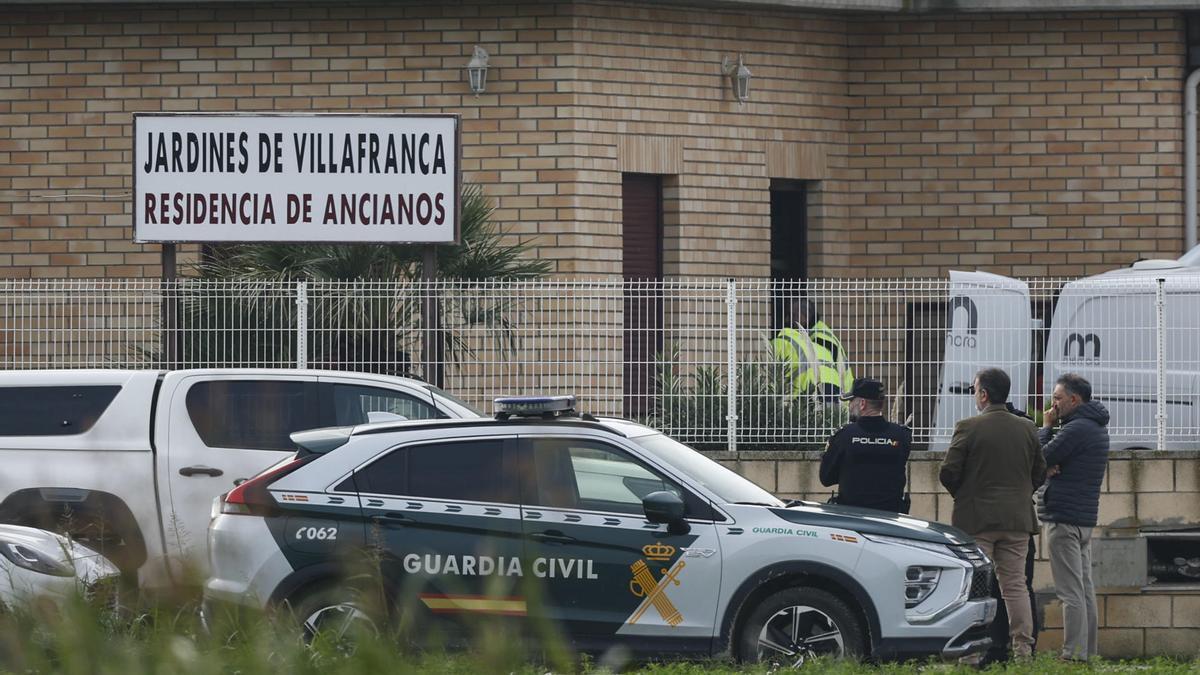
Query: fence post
1160	316
731	390
301	324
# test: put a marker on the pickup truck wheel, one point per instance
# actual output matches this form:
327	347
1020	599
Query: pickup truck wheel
795	625
333	616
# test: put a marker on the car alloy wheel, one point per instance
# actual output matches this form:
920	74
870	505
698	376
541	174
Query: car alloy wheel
795	634
338	621
332	618
795	625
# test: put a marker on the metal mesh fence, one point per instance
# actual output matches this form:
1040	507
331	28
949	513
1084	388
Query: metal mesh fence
703	360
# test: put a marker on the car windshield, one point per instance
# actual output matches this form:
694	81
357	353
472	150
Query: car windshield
730	487
445	394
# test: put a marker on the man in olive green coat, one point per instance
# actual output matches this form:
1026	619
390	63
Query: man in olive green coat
991	469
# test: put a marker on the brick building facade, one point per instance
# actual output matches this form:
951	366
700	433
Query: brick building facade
1024	144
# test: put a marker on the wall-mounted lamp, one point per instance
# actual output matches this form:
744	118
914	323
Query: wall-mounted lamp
739	77
477	70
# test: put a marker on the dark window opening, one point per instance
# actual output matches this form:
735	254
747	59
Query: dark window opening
1192	29
53	411
469	471
1173	557
789	246
641	249
252	414
924	350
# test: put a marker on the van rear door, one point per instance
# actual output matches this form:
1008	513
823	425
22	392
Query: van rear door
989	324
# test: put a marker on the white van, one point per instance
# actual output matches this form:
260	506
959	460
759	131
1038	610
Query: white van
988	325
1103	328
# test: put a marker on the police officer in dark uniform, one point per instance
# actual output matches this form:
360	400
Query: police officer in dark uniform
867	457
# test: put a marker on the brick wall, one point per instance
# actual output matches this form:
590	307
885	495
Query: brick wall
70	79
1029	145
1141	492
1022	144
567	83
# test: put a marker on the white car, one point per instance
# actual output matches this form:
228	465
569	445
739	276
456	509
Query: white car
610	530
36	564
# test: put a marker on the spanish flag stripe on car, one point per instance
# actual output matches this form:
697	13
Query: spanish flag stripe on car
512	606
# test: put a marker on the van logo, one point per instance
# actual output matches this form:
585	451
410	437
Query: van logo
954	338
1076	348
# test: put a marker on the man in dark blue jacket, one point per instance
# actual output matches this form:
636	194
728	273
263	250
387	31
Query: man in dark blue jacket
867	457
1077	455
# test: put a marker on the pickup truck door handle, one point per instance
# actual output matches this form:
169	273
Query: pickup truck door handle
553	537
200	470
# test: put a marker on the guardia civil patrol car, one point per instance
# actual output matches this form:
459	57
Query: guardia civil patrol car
611	530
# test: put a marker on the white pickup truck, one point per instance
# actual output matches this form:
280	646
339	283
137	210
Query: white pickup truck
129	462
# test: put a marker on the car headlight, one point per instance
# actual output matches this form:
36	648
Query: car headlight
919	583
940	549
33	559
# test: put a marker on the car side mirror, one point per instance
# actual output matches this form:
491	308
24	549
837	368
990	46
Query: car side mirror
663	507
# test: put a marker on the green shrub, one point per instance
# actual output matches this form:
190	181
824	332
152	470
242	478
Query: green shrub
693	406
165	636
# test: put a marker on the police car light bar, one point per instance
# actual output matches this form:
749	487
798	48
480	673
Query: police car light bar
533	406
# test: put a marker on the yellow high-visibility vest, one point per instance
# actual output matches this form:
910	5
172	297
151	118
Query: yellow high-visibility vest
816	359
832	356
793	347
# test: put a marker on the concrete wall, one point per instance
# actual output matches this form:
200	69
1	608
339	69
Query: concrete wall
1143	492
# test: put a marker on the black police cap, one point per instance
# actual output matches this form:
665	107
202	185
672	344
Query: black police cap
868	388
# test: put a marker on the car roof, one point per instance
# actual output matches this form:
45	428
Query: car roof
618	426
303	372
320	441
92	375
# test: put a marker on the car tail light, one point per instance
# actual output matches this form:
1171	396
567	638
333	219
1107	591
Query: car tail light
252	498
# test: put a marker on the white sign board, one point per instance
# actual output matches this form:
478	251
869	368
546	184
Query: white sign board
296	178
990	326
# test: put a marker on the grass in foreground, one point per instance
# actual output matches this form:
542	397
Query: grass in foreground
167	638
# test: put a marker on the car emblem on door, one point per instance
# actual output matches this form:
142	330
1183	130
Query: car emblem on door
654	591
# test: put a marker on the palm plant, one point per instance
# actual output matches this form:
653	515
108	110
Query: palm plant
353	317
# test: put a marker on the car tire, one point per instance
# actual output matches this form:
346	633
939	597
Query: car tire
334	615
794	625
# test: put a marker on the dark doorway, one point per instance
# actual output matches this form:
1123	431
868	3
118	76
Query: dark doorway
641	259
789	244
924	352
